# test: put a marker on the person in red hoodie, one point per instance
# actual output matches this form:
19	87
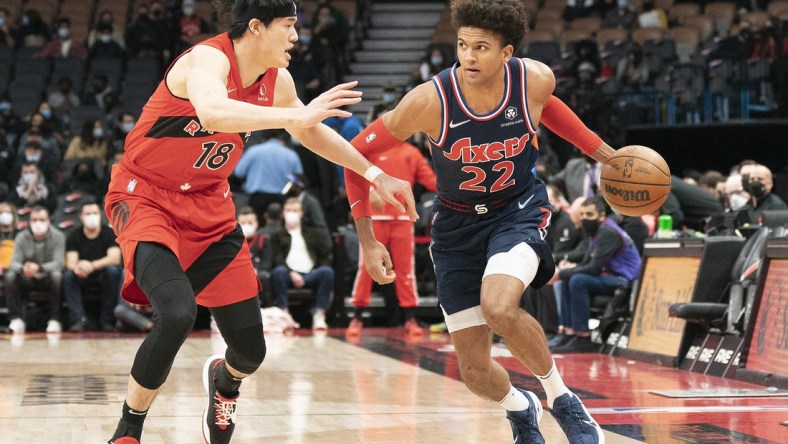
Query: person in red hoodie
394	230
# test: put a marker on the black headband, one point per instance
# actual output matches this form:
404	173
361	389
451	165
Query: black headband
262	13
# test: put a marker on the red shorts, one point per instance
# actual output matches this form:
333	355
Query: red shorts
187	223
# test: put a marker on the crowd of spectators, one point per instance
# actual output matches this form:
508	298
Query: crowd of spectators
56	158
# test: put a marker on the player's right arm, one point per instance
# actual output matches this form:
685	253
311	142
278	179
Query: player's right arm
203	79
418	111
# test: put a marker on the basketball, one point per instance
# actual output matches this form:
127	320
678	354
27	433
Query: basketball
635	180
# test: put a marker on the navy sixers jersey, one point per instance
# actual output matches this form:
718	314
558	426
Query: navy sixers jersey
479	158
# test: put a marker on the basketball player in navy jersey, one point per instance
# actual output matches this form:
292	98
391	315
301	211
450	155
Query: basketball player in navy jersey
491	213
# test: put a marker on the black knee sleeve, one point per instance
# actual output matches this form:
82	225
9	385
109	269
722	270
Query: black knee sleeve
242	329
161	277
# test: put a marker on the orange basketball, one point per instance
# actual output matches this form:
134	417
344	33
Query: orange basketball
635	180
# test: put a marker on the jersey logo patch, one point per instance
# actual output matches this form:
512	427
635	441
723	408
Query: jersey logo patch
455	125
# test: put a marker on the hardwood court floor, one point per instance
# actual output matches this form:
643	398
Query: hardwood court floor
382	388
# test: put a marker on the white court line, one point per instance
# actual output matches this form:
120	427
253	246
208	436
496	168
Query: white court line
698	409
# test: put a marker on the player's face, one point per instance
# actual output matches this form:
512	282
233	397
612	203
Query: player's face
277	40
480	54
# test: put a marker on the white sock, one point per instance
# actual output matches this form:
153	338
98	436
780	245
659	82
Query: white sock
553	385
515	400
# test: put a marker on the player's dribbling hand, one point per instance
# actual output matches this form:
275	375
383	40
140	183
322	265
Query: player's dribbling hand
329	103
390	188
377	262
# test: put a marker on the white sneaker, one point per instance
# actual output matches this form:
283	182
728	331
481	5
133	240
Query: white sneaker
319	320
17	325
54	326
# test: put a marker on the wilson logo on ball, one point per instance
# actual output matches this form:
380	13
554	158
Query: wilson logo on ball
628	195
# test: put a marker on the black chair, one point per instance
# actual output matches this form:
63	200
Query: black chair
729	314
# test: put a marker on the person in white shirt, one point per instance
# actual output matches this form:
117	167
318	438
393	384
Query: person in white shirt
301	259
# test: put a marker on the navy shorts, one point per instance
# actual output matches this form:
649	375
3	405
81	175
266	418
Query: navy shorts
463	243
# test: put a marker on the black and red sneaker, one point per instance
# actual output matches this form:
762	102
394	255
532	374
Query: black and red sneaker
219	417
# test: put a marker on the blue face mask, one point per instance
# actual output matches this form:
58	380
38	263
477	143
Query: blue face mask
47	113
436	60
98	133
5	106
389	97
127	126
305	39
2	21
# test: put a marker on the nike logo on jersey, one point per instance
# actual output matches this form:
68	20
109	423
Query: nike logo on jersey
227	192
522	205
229	90
185	187
354	204
455	125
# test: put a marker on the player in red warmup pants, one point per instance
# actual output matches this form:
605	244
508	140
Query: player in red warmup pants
395	231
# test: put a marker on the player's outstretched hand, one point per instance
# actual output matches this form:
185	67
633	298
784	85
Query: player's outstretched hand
390	188
377	261
329	103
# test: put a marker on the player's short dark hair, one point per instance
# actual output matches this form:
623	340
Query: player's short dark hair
598	203
229	11
506	18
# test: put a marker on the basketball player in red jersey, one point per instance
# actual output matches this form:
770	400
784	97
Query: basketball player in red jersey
170	206
490	214
403	161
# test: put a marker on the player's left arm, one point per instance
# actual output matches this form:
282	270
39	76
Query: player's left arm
557	116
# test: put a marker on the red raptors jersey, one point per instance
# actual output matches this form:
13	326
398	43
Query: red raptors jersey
403	161
169	147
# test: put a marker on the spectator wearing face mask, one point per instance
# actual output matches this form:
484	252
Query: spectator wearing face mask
118	32
46	162
612	261
622	16
123	126
307	73
433	63
190	25
735	196
759	186
83	179
92	264
6	30
36	264
301	259
32	189
105	46
260	250
90	143
389	100
64	98
63	46
100	93
31	31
